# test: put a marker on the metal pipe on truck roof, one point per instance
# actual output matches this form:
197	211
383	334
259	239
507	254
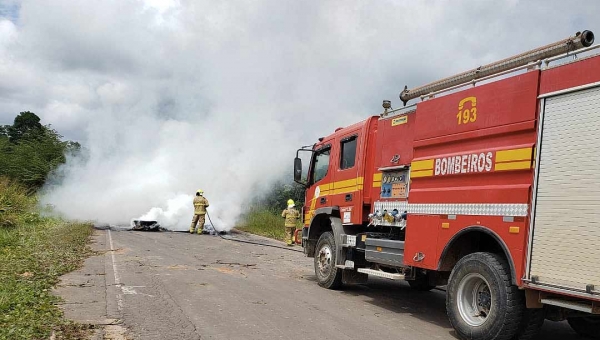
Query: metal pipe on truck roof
581	39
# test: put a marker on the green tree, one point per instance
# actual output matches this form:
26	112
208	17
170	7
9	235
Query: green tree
276	197
26	124
4	131
29	151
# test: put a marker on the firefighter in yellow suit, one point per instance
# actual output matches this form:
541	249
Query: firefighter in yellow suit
291	215
200	205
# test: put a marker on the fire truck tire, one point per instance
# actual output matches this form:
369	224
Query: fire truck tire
481	302
586	326
532	322
328	276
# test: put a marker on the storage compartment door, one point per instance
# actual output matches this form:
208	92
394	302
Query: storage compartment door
566	232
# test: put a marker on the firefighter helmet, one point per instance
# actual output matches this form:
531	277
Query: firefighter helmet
290	203
200	192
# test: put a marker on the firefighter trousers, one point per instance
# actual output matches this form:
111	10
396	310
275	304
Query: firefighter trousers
289	235
197	219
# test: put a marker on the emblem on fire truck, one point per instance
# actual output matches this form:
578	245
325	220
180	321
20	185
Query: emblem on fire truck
467	113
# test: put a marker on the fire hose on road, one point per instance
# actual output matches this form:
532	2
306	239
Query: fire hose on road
246	241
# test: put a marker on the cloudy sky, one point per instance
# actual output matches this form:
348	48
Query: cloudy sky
173	95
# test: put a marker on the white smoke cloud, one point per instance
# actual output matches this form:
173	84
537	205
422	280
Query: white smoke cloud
176	211
172	96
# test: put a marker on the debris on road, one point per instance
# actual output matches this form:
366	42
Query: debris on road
140	225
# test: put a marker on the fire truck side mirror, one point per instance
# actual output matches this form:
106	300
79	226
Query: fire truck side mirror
297	170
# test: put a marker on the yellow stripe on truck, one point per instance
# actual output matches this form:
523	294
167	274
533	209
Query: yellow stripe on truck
514	155
426	164
514	159
377	180
421	173
512	165
334	188
346	190
345	183
325	186
339	187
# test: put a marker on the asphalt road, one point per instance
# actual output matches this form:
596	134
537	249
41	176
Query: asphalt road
168	285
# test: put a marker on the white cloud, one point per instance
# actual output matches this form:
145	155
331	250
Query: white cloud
170	96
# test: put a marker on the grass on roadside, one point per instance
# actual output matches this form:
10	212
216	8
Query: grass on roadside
264	223
14	203
34	252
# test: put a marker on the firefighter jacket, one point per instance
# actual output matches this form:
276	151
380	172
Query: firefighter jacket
291	215
200	205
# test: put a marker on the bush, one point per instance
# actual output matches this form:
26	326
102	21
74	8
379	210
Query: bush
263	222
263	215
15	204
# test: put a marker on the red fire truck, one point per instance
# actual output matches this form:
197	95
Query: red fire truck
489	185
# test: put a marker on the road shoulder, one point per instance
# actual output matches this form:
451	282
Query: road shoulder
89	293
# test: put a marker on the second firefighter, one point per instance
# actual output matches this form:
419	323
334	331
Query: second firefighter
291	216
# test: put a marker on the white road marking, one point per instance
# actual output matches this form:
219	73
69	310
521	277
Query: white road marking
129	290
116	273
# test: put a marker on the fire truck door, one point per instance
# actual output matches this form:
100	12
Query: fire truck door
347	184
320	178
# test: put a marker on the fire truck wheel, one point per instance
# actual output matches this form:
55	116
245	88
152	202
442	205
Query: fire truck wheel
481	302
328	275
532	322
586	326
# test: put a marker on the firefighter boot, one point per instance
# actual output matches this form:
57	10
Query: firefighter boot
192	227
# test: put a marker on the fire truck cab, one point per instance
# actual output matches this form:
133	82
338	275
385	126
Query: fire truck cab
492	190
